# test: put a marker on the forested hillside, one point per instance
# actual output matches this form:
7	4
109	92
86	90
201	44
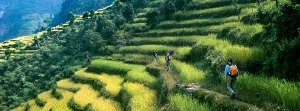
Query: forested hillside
22	18
103	60
77	7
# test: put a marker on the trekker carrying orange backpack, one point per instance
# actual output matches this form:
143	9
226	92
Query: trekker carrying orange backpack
231	72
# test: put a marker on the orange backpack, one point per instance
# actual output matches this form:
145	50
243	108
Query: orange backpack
233	71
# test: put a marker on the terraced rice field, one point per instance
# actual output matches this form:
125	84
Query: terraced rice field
131	80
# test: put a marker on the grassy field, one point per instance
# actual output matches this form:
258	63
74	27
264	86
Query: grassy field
196	22
147	49
180	102
112	82
174	41
88	95
284	92
188	73
112	67
142	98
142	77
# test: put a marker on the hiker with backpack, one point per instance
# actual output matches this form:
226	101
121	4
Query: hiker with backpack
168	59
231	72
154	55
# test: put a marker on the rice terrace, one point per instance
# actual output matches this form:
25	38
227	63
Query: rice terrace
159	55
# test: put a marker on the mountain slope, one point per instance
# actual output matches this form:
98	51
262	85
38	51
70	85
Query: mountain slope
128	77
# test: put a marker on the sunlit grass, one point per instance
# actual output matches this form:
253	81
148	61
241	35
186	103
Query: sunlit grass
112	82
141	15
69	85
237	52
182	52
135	25
192	31
112	67
188	73
133	56
139	20
33	106
180	102
88	95
196	22
175	41
147	49
142	98
284	92
45	96
141	77
62	104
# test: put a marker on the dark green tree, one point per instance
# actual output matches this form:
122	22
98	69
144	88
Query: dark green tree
128	12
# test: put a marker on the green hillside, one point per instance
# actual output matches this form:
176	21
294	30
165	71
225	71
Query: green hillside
200	35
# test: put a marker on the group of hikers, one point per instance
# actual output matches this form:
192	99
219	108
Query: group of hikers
230	71
167	58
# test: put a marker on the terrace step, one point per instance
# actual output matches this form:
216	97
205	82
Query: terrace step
111	83
173	24
217	12
132	58
87	95
147	49
173	41
204	4
112	67
140	20
189	31
138	97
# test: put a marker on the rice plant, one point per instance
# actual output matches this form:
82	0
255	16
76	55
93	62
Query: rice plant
139	20
141	15
112	83
33	106
133	58
141	77
180	102
142	98
182	53
174	41
284	92
62	104
187	73
68	85
204	4
112	67
147	49
87	95
191	31
195	22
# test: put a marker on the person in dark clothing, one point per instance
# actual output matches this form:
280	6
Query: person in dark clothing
154	55
168	60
